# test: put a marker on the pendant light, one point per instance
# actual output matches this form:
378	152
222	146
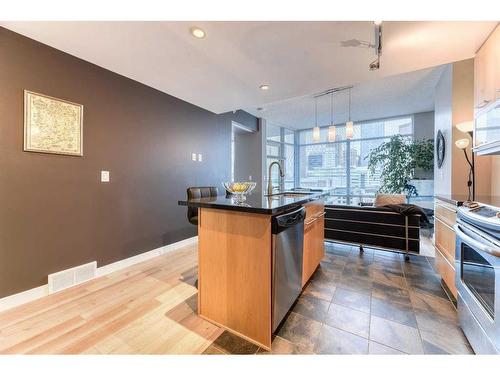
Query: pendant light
349	125
316	127
331	129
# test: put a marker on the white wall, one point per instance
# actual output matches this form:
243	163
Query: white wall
443	122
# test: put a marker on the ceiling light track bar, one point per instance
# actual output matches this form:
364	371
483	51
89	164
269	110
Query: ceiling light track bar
331	91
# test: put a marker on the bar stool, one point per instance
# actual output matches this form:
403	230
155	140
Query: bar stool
199	192
192	213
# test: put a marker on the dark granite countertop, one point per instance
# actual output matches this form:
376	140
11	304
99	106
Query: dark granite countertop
255	202
458	199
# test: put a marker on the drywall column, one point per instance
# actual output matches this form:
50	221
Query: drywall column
443	122
454	103
248	158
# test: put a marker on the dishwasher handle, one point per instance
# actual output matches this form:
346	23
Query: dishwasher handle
288	219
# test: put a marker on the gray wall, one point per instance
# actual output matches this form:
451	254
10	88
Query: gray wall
423	129
423	126
248	159
241	117
55	211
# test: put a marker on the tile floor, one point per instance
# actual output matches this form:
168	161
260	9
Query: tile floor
365	303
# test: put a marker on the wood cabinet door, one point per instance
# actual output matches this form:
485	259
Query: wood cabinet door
308	257
446	270
489	76
444	239
479	78
314	236
495	45
487	71
319	241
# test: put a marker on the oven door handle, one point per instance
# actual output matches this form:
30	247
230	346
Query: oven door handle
478	245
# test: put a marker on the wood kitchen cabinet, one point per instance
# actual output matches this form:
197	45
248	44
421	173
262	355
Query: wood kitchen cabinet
444	242
314	236
487	96
487	71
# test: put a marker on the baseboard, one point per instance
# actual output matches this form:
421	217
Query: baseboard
14	300
121	264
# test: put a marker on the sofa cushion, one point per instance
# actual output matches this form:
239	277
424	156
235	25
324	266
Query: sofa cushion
385	199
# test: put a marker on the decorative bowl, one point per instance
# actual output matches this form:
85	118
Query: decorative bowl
239	189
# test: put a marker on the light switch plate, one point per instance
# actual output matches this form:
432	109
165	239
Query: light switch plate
200	157
193	156
104	176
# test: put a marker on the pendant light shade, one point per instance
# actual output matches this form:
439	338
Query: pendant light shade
316	134
349	129
316	128
332	134
349	125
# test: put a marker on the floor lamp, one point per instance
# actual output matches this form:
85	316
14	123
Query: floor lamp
467	127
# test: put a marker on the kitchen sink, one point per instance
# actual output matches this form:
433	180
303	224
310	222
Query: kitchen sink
291	194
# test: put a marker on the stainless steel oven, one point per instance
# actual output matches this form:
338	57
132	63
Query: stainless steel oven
478	276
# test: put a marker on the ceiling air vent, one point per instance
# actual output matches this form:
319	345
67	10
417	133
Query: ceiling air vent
71	277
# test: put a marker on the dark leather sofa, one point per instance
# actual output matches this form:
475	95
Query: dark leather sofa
378	227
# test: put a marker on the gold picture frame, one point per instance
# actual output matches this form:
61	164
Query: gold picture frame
52	125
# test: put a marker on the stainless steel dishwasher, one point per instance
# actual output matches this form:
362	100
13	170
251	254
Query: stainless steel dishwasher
287	252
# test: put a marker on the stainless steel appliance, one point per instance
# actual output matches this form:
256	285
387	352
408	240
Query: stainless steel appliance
287	246
478	275
487	129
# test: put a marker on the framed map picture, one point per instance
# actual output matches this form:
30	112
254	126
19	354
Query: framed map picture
52	125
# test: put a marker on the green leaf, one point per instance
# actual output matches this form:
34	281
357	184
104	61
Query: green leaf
397	160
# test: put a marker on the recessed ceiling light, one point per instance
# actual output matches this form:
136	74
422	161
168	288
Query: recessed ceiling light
264	87
197	32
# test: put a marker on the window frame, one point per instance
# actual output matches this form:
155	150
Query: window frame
281	157
349	196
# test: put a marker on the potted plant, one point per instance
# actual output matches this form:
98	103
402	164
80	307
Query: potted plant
397	160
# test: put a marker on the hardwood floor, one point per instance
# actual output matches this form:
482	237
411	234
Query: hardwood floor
149	308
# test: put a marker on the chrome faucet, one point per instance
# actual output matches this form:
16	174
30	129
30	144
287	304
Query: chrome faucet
270	187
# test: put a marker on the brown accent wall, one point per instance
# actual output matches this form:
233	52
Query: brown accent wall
54	211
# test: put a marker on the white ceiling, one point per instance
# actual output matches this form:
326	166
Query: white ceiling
223	71
386	97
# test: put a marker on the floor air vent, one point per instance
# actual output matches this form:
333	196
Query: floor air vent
71	277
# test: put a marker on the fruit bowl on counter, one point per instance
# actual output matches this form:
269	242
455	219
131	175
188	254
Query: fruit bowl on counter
239	189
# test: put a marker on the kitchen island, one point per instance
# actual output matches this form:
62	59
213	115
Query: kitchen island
236	263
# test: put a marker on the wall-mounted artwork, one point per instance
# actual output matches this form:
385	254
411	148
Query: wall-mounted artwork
52	125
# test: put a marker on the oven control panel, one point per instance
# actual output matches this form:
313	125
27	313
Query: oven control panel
482	214
485	212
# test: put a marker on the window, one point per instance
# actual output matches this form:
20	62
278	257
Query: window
341	165
281	147
315	161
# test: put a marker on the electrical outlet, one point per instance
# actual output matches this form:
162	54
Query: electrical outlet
104	176
200	157
193	156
